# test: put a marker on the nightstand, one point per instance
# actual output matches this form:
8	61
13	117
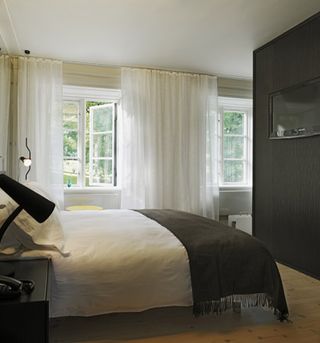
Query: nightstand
26	319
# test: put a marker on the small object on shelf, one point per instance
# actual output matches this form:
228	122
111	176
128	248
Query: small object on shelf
69	184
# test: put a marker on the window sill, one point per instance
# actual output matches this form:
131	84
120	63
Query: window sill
235	188
92	190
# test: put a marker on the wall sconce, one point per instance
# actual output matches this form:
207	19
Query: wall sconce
27	160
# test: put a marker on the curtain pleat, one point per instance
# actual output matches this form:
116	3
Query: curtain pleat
39	118
168	141
5	77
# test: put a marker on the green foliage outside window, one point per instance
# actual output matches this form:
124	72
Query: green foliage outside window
233	171
70	144
233	147
233	123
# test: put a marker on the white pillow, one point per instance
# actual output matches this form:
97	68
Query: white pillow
9	244
33	235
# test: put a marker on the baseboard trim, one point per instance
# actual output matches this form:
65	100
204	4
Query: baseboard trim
301	270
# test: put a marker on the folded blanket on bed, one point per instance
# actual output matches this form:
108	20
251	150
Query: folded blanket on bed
226	265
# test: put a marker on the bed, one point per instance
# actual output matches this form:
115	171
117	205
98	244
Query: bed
124	261
127	261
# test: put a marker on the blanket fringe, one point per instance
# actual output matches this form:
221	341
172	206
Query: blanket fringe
246	300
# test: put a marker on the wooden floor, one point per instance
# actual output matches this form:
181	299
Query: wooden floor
178	325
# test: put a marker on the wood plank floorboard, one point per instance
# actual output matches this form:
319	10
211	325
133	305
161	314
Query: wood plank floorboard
177	325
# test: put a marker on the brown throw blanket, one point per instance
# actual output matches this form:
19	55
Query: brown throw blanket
226	265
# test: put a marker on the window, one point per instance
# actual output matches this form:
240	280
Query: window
89	122
235	142
71	151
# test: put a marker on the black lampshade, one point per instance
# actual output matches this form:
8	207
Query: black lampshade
36	205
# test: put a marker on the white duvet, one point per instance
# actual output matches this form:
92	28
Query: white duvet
120	261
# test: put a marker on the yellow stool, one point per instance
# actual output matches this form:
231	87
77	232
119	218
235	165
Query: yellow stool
84	208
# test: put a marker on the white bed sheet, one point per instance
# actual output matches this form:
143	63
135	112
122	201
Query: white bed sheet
120	261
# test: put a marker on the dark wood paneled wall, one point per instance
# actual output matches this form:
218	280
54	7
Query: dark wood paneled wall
286	173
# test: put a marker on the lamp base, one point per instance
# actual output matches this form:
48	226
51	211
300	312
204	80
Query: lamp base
6	269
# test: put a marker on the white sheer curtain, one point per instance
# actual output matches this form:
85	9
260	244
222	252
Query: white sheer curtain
5	72
168	146
39	119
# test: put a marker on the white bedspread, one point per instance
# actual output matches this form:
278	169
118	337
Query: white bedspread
120	261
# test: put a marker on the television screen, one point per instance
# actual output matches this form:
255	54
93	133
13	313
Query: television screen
295	111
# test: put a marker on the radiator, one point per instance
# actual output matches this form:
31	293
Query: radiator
241	221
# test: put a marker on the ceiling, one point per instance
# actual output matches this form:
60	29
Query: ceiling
209	36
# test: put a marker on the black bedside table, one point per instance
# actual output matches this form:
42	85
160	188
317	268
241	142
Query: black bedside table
26	319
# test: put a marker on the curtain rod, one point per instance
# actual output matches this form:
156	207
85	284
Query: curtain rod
169	70
125	66
29	57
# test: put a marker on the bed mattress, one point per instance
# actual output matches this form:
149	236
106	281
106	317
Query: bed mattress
120	261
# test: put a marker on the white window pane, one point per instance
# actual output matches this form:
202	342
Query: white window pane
233	171
70	144
102	118
233	123
102	172
71	115
233	147
70	172
102	145
70	107
70	121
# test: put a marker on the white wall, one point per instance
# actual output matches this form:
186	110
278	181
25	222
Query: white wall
231	201
110	77
106	198
235	201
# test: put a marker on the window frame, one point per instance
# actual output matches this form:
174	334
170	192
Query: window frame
228	104
113	157
79	143
82	95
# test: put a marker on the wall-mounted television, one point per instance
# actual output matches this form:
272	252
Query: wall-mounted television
295	111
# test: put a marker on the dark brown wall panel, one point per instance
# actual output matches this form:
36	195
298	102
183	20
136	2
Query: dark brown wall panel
286	192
